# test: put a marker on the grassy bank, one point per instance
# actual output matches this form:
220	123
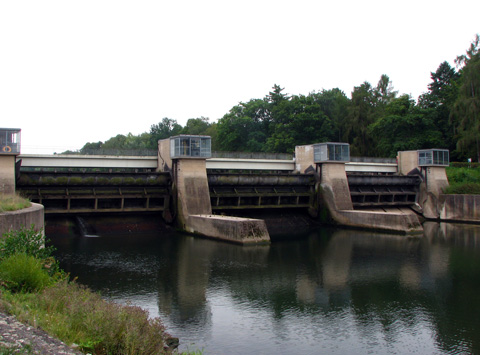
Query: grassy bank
13	203
463	180
38	292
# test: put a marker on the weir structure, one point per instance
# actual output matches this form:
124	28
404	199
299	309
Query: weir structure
186	155
188	187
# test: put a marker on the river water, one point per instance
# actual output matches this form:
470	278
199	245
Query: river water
328	291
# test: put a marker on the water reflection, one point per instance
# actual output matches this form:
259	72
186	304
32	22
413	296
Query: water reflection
331	291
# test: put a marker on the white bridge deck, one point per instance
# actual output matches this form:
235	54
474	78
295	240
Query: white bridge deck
150	162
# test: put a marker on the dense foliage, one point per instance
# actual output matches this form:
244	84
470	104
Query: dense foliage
375	120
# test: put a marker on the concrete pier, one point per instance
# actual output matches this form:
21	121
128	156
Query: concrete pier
231	229
335	198
194	210
7	174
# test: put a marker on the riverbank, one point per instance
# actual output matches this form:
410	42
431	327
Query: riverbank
37	292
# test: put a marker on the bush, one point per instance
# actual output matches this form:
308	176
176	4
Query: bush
27	241
463	189
463	180
32	243
23	273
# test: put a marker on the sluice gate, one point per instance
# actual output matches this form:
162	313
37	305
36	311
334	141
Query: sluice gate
383	190
97	192
251	191
87	192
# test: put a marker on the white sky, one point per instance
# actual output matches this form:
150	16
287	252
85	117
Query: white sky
73	72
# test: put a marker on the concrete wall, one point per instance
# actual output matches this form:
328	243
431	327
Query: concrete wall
335	186
461	208
232	229
399	221
22	219
7	174
304	158
193	195
431	196
164	160
407	161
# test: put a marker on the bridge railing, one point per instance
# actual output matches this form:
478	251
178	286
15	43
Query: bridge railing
113	152
214	163
253	155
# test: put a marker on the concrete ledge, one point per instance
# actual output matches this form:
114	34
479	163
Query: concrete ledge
461	208
232	229
15	220
394	222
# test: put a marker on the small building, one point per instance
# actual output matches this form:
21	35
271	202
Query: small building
189	146
331	152
10	141
433	157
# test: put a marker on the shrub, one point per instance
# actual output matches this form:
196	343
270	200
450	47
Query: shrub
23	273
32	243
27	241
463	189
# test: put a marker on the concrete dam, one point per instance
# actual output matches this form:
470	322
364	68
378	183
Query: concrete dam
197	192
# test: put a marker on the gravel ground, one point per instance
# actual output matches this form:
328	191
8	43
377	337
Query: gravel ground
25	339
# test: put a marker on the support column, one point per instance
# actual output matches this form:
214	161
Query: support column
7	174
193	195
186	156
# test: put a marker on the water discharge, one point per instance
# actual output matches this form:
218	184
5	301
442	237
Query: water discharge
328	291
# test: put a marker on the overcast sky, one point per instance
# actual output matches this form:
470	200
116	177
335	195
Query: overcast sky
73	72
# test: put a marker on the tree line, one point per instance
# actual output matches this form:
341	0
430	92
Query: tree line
375	119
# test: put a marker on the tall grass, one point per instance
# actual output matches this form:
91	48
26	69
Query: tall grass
76	315
463	180
13	202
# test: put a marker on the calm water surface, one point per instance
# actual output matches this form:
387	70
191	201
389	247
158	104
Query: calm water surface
330	291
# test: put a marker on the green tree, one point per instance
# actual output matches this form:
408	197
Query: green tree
303	123
89	148
237	131
441	95
361	114
246	127
334	104
166	128
405	126
466	109
384	92
196	126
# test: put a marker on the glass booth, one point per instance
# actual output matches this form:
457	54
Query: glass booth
433	157
10	141
187	146
331	152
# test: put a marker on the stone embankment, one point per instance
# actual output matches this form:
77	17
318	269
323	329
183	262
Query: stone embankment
29	340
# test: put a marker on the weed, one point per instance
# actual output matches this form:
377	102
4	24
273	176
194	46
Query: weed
23	273
76	315
13	202
27	241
